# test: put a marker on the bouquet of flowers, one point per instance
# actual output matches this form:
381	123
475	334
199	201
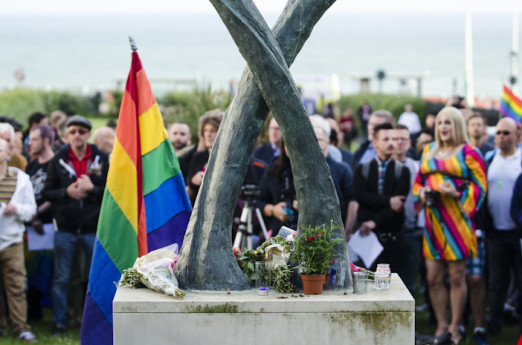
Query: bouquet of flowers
275	252
355	268
155	271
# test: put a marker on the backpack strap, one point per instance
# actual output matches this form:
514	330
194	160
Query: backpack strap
398	169
366	169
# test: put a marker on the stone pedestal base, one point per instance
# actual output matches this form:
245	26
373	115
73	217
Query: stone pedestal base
142	316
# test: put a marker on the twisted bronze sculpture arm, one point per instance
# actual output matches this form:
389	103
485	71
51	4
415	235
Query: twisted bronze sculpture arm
206	260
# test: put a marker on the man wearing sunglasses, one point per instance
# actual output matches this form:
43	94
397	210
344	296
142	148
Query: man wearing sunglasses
75	184
503	240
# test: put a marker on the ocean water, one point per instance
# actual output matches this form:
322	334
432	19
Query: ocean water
91	53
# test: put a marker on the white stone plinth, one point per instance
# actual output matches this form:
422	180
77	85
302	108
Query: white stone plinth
142	316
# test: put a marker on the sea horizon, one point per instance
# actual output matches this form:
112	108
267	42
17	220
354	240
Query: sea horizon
89	53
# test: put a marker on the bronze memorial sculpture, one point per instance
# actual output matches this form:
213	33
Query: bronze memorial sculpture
206	259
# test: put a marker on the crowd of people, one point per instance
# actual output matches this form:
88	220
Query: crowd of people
443	199
444	202
52	181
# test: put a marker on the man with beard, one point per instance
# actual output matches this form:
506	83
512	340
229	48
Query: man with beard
180	137
476	126
41	138
381	186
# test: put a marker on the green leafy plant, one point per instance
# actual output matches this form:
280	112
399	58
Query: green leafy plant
288	245
281	276
246	261
313	248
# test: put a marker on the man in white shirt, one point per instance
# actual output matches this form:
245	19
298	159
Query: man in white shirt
17	205
410	120
504	252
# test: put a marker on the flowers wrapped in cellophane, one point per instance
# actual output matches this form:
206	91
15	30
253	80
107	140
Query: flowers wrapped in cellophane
155	271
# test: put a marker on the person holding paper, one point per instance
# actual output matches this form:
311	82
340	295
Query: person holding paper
381	186
41	138
17	205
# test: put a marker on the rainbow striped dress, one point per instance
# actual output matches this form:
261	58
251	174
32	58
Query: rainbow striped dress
450	231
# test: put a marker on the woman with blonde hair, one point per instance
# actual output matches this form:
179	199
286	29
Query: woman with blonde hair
450	186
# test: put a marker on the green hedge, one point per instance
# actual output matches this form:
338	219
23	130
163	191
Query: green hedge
20	103
176	106
392	103
188	106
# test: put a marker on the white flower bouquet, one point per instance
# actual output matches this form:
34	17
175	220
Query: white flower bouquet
155	271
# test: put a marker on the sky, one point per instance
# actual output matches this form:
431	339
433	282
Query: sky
63	7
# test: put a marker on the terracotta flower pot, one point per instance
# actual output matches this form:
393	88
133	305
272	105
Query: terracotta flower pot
313	284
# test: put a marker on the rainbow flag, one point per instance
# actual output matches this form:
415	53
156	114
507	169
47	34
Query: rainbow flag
145	205
510	105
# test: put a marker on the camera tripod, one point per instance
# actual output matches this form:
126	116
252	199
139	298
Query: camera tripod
243	239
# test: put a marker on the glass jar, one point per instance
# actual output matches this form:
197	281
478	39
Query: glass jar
382	277
261	274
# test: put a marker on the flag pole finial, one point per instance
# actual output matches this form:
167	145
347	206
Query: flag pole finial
133	45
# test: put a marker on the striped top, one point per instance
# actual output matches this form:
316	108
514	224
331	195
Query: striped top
8	185
450	231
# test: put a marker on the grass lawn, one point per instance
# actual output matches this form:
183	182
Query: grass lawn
43	330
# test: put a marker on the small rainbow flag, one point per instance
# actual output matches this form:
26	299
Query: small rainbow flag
510	105
145	205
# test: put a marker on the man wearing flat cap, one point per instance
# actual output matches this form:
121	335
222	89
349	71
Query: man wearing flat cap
75	184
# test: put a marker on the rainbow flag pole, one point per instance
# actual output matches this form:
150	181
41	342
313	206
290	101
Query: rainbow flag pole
510	105
145	205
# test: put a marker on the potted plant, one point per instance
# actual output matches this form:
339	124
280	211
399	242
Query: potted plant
313	249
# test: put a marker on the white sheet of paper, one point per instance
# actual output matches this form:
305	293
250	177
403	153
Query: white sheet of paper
35	241
368	248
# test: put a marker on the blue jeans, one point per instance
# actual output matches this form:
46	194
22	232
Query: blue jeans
65	245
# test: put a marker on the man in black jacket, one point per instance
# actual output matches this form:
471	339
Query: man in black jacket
75	184
381	186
